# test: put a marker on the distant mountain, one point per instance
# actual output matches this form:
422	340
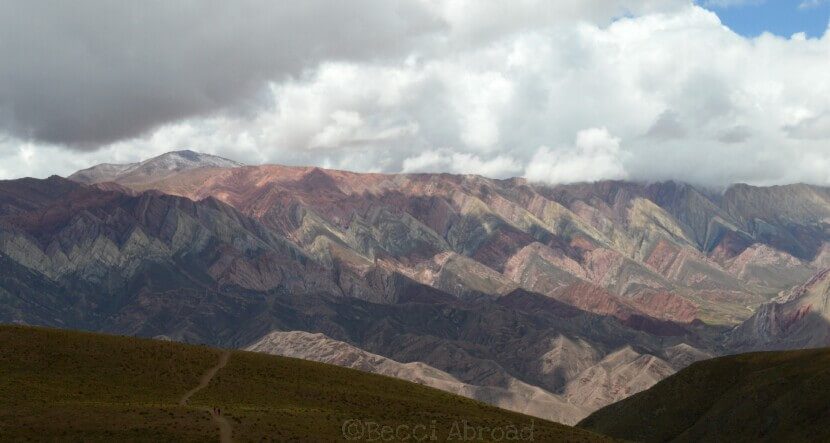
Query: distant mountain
152	264
799	319
762	397
516	396
588	292
61	385
615	375
151	170
664	250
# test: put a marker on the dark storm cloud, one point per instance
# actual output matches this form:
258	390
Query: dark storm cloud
87	73
667	127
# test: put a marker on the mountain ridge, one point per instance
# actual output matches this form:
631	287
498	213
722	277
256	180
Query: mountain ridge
159	166
670	229
153	264
590	292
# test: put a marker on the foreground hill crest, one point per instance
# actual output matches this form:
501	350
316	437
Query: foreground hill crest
65	385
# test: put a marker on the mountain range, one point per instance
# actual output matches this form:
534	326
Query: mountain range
549	300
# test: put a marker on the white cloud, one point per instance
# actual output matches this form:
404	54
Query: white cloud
732	3
426	161
478	100
596	155
500	166
475	21
680	97
815	128
811	4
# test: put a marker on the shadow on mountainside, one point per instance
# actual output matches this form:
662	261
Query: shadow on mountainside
766	396
805	330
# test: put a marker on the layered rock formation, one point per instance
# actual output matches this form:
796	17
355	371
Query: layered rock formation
106	258
516	396
799	319
698	254
522	295
592	381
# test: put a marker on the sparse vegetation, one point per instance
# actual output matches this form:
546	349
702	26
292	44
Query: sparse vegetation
766	396
64	385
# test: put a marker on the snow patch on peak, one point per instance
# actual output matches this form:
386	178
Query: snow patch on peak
152	169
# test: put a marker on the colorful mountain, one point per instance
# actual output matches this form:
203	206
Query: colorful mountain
514	293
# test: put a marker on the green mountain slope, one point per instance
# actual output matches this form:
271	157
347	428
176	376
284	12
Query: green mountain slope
770	396
62	385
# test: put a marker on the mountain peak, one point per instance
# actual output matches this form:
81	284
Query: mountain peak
152	169
188	154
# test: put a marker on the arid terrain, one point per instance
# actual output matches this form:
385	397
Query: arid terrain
59	385
548	300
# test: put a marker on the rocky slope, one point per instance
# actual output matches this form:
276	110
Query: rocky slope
798	319
516	396
666	250
151	264
589	380
586	293
153	169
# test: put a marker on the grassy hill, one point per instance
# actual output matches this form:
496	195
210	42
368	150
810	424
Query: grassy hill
65	385
768	396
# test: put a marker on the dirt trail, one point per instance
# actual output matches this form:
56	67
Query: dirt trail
225	427
206	377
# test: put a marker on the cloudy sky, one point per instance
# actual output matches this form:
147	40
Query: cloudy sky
711	91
